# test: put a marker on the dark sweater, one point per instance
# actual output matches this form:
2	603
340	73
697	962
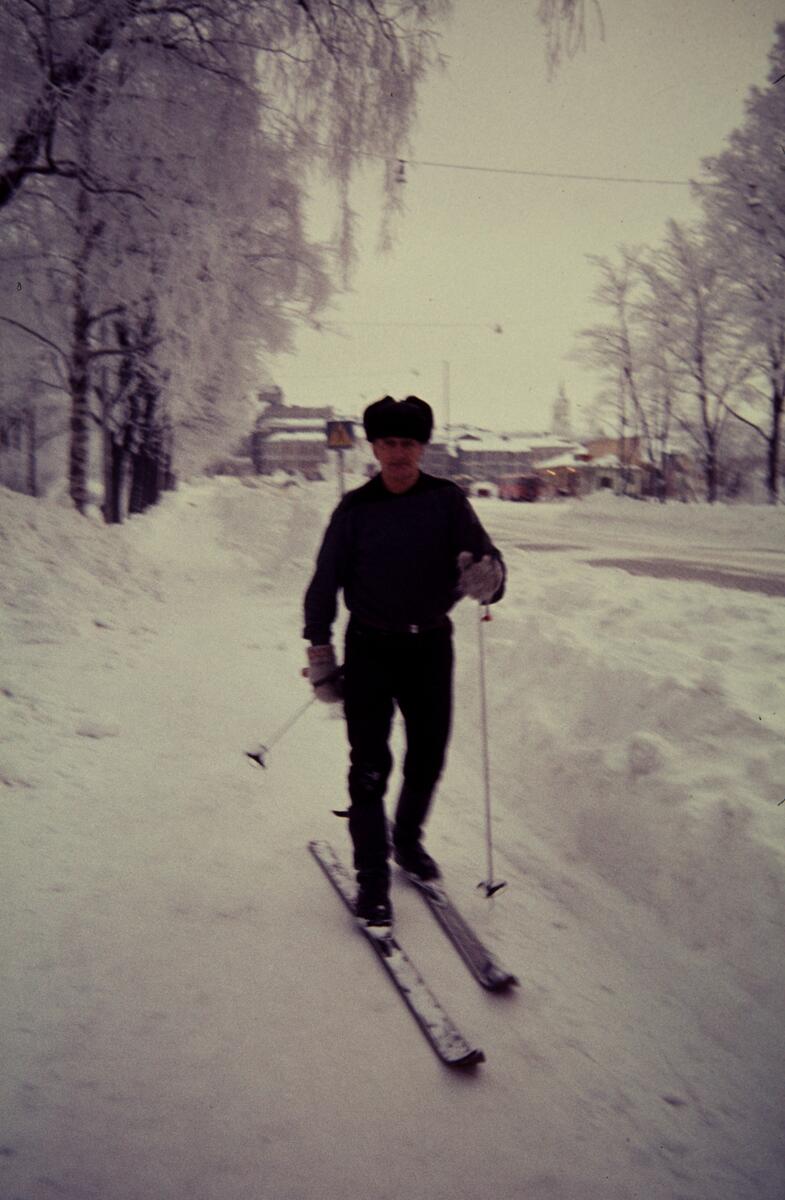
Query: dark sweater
394	556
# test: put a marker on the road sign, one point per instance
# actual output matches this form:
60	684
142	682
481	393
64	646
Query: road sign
340	435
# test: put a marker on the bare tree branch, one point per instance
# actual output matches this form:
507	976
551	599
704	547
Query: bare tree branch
746	421
35	334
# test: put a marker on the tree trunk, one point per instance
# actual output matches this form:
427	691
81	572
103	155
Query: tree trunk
24	154
773	456
62	79
144	471
169	479
710	470
32	449
106	506
78	379
140	488
114	471
79	368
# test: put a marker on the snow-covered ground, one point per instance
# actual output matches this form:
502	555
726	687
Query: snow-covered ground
187	1011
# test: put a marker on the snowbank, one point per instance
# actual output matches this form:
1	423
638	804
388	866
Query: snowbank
640	723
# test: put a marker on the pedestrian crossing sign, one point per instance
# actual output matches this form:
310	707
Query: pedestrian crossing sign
340	435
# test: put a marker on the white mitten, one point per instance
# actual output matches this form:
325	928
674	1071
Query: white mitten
480	580
324	674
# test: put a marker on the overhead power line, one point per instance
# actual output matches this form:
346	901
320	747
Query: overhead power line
417	162
403	163
494	326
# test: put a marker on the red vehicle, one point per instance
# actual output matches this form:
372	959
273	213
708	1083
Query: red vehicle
519	487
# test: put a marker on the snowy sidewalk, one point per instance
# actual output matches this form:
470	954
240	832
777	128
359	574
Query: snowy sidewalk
189	1014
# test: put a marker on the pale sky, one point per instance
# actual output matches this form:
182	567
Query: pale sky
477	249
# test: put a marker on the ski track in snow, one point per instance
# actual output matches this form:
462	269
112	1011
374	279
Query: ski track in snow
188	1012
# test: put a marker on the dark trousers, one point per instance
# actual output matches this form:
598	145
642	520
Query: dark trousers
382	670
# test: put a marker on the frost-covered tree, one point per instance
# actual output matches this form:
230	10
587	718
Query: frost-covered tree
671	353
697	326
630	352
692	299
608	346
165	151
565	23
222	264
176	140
745	204
347	73
33	332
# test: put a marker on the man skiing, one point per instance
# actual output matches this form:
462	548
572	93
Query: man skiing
403	548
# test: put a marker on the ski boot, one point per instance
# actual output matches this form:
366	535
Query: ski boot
372	906
417	862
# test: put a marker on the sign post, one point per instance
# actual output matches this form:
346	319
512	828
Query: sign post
340	437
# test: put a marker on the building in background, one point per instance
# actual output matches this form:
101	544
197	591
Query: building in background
289	437
438	459
477	455
516	466
293	438
568	474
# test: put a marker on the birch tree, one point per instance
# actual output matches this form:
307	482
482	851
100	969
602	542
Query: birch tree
174	142
744	199
692	296
309	79
608	346
631	351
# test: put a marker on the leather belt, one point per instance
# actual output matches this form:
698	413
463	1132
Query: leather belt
375	626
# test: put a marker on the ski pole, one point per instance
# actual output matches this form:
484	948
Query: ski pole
488	885
260	753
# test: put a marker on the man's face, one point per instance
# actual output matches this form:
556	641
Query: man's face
399	459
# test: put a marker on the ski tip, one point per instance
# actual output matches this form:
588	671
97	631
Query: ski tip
499	980
472	1058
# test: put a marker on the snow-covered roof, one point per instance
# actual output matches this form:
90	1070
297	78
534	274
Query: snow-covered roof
298	435
560	460
490	443
315	425
536	441
293	423
460	430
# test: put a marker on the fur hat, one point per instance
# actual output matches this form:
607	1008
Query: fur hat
409	418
